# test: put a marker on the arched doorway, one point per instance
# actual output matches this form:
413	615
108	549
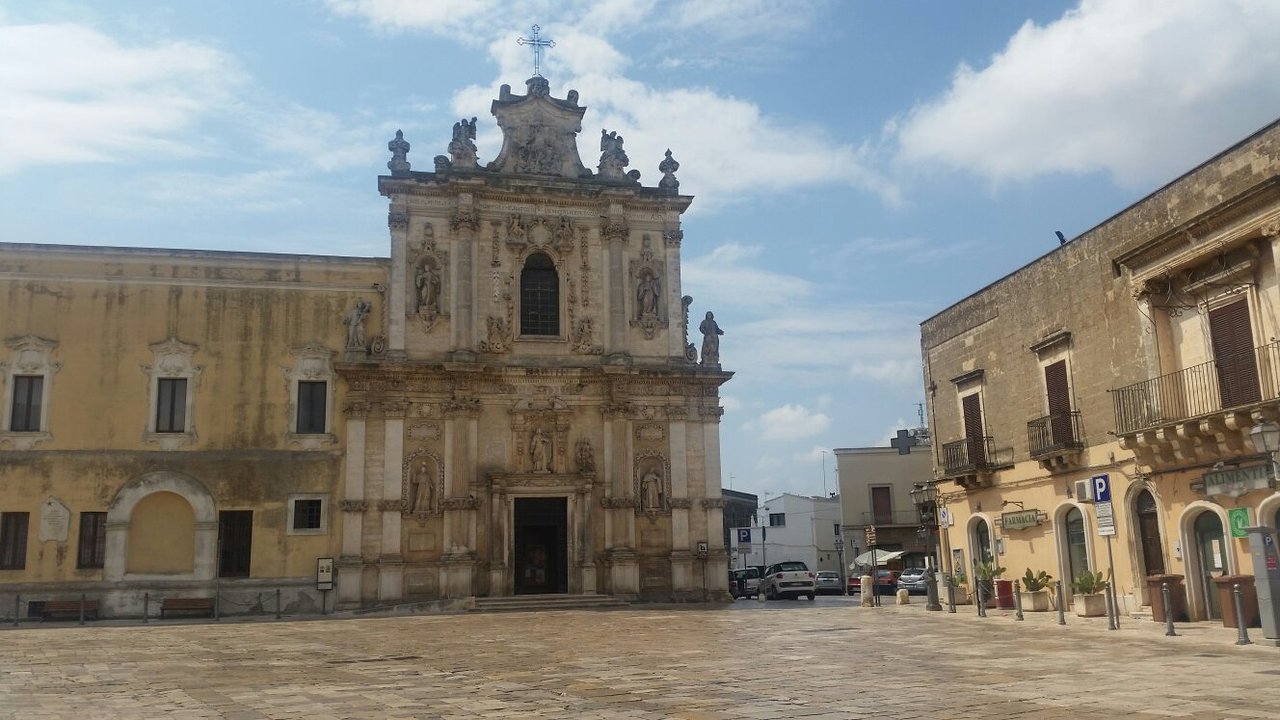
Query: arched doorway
162	536
1074	546
1211	551
1148	525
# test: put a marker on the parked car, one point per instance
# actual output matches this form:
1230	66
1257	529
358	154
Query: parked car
913	581
787	579
827	582
886	581
744	582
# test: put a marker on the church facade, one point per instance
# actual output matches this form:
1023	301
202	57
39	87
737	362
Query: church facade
509	404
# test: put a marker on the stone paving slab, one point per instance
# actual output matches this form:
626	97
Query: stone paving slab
819	660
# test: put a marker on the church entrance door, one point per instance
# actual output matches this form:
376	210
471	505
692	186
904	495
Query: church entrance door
541	551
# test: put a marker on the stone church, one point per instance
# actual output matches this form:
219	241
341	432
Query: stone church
510	404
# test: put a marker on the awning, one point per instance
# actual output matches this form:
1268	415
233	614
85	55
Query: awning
881	557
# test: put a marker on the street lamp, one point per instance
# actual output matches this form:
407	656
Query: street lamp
925	497
1266	439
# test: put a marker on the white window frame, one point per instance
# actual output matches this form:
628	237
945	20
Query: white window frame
324	515
31	356
311	363
174	359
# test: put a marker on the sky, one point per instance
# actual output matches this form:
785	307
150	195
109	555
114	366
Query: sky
856	166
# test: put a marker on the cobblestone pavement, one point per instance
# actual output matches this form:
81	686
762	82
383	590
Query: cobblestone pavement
789	659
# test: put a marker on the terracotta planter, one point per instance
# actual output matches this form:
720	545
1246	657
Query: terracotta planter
1091	605
1037	601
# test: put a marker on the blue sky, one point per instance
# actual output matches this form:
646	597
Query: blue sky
857	166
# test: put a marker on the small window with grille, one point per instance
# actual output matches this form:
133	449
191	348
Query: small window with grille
307	515
93	540
13	540
311	406
539	297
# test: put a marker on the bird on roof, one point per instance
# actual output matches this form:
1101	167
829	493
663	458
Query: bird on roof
1061	239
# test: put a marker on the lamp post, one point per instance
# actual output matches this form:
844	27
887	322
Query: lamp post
1266	439
925	497
840	554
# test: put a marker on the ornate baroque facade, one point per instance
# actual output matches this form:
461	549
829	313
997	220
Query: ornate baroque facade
511	404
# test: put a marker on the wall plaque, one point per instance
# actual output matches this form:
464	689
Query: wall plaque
55	521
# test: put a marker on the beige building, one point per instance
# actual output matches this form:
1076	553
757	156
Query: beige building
507	404
1143	350
875	492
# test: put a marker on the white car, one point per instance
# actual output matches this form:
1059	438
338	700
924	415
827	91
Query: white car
787	579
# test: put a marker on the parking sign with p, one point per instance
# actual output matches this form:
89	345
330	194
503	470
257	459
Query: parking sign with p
1101	487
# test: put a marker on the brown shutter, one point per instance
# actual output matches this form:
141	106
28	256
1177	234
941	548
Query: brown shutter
881	506
973	434
1055	383
1232	339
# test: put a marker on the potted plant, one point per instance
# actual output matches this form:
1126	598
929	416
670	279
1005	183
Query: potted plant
1090	590
986	573
1035	591
959	585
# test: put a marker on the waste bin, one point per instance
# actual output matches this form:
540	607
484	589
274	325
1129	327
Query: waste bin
1248	600
1177	597
1004	594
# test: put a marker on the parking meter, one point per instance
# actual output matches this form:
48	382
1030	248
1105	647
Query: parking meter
1263	544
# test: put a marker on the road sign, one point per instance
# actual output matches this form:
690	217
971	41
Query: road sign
1238	519
1106	518
744	548
871	536
744	536
1101	488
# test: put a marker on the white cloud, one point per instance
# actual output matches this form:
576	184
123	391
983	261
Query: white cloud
791	422
1139	90
69	94
730	403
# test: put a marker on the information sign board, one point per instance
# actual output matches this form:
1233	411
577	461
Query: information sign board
1106	518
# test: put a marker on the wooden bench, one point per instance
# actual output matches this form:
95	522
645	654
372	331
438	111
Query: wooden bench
190	607
69	610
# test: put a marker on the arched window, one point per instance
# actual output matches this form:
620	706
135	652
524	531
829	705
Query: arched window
1077	550
539	297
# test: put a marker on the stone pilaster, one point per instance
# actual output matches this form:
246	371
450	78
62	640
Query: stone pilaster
465	224
615	234
398	222
675	309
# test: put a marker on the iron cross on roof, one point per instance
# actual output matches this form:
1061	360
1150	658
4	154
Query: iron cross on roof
537	43
904	441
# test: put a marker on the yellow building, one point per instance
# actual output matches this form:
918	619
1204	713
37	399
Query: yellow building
508	403
1143	350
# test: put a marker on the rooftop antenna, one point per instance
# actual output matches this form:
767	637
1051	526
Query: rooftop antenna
824	473
730	481
538	43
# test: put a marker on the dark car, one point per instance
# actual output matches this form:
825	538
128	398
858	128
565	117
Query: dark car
827	582
913	581
886	581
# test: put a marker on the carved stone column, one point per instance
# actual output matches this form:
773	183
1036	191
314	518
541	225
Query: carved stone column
675	309
619	503
465	224
353	506
391	559
716	564
459	507
499	543
586	550
398	222
615	233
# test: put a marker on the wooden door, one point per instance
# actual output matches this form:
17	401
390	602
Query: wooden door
1055	383
1237	368
973	430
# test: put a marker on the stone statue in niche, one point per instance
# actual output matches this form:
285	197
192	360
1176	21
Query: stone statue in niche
585	456
496	339
651	490
355	324
424	495
399	148
428	284
647	293
613	159
462	149
540	452
711	333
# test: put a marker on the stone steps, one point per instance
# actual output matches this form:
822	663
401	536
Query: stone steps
525	603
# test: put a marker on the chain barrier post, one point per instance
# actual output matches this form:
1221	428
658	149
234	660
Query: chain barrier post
17	603
1062	617
951	597
82	600
1241	621
1168	611
1017	600
277	603
146	606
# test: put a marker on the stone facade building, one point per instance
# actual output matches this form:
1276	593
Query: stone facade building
509	404
1143	350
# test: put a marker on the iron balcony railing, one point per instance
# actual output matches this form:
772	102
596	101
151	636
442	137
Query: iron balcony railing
1053	433
894	517
1227	382
968	456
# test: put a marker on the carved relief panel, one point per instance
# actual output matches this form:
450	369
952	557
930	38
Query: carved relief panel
652	481
649	312
540	436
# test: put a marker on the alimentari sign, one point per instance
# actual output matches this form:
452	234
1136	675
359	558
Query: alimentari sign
1020	520
1237	482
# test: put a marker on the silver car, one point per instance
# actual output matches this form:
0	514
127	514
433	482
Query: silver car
789	579
913	581
827	582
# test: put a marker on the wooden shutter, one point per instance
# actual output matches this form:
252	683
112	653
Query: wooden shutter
1055	383
973	433
1237	368
881	506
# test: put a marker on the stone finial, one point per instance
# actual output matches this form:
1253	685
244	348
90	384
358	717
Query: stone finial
399	148
668	168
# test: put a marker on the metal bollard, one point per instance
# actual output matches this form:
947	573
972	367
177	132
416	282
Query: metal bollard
1241	620
277	603
81	608
1168	611
951	597
17	604
982	603
146	606
1062	617
217	607
1017	600
1115	603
